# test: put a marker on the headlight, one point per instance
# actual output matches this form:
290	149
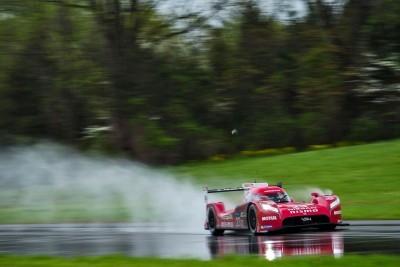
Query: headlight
268	207
334	203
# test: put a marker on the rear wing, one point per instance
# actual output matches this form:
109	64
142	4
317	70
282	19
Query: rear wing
245	187
223	190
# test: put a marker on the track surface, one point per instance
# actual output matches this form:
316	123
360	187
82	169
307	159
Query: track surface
165	241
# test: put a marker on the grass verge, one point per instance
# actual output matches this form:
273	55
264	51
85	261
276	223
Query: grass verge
122	261
365	177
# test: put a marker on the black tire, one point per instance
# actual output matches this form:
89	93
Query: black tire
252	219
212	223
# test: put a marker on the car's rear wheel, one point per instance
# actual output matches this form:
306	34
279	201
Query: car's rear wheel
252	219
212	223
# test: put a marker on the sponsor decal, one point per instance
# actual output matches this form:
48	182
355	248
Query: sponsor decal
242	214
306	219
337	212
227	224
302	209
239	223
269	218
273	191
266	226
227	217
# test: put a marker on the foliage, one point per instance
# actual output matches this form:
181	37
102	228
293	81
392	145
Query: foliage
172	87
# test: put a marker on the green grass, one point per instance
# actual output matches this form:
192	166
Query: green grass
58	208
365	177
63	213
121	261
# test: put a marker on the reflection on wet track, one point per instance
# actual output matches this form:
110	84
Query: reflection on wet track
272	247
139	240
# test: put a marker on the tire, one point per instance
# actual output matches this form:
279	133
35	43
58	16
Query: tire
252	220
212	223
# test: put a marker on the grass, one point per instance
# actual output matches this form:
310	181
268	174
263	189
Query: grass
121	261
58	208
365	177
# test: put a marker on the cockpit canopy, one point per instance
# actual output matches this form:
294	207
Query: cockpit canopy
275	194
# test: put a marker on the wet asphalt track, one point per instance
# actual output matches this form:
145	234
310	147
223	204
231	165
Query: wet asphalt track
169	241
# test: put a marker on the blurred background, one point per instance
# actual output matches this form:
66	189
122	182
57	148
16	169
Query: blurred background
166	82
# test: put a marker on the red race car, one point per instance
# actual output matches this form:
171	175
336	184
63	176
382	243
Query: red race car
268	208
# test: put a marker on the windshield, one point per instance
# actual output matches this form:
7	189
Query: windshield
277	197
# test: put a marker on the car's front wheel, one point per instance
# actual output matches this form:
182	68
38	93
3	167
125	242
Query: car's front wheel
212	223
252	219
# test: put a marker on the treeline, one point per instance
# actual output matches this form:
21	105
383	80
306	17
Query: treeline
122	76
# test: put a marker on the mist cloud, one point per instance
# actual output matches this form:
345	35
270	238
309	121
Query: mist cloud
50	182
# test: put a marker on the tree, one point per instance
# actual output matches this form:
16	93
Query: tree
374	71
51	76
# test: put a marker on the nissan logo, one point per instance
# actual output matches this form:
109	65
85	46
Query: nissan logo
306	219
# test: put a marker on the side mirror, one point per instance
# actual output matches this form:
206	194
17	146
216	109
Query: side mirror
315	194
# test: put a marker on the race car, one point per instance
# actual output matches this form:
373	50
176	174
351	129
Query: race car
267	208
